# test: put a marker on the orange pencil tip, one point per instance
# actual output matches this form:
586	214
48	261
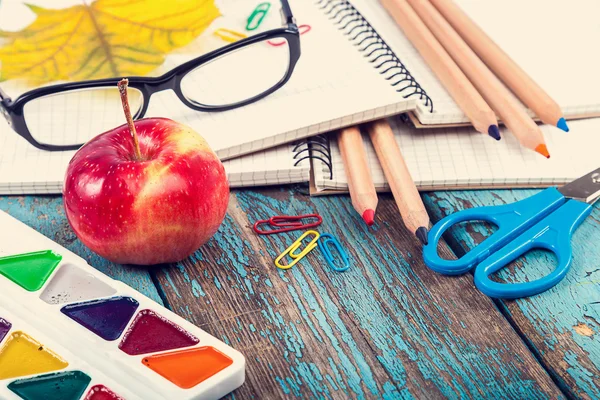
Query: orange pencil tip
543	150
369	217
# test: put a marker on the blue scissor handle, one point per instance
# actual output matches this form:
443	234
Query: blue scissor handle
552	233
511	219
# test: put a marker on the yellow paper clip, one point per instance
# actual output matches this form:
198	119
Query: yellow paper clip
229	35
297	257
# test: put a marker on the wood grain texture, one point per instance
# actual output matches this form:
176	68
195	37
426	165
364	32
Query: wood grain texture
561	325
46	215
386	328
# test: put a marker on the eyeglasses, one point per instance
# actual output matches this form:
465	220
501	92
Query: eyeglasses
65	116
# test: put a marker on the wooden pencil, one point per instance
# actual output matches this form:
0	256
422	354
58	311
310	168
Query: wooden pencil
356	165
513	76
454	80
396	172
493	91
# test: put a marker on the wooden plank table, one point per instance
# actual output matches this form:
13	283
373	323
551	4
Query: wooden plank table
386	328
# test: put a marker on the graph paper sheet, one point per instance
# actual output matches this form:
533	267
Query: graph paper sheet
552	42
27	170
31	171
448	158
332	86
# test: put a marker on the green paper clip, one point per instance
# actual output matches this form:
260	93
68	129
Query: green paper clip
257	16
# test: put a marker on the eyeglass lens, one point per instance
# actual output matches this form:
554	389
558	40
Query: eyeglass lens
74	117
237	76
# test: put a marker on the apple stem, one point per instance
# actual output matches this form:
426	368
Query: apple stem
123	91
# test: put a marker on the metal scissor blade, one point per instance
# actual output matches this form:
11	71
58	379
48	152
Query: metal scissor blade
586	188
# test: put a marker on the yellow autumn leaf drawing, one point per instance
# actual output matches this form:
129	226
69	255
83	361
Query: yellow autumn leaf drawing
105	38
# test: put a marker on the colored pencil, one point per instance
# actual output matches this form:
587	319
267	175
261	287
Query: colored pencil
396	172
513	76
454	80
493	91
356	165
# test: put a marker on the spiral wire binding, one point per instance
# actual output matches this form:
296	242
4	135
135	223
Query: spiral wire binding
362	34
316	147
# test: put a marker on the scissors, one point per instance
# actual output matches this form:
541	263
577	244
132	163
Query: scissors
545	220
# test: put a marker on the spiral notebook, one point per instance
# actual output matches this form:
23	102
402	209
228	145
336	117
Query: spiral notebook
461	158
551	41
27	170
32	171
333	85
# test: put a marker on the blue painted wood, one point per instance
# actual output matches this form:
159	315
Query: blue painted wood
386	328
46	215
561	325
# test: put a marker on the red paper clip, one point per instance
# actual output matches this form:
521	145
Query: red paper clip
287	223
302	29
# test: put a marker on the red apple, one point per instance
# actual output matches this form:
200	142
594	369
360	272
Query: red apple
154	206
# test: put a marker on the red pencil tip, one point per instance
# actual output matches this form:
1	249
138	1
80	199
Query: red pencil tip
369	217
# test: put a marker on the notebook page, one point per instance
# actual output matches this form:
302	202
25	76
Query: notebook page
27	170
554	42
274	166
44	174
461	157
445	110
332	86
551	41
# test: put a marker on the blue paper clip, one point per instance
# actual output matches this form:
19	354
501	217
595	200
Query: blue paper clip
324	240
296	245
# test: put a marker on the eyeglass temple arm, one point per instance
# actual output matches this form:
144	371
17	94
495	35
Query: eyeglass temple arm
3	96
286	11
4	103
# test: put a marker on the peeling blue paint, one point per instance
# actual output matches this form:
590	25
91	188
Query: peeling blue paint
197	289
171	284
555	313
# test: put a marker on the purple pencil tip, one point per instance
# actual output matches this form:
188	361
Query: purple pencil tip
421	234
494	132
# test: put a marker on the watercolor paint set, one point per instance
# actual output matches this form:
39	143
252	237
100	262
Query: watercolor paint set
69	332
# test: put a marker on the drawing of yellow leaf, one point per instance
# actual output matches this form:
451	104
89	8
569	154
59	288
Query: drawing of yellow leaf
106	38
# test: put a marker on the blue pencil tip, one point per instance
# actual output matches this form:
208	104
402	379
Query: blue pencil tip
562	124
494	132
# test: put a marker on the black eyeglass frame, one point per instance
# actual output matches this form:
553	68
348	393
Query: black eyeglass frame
13	109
